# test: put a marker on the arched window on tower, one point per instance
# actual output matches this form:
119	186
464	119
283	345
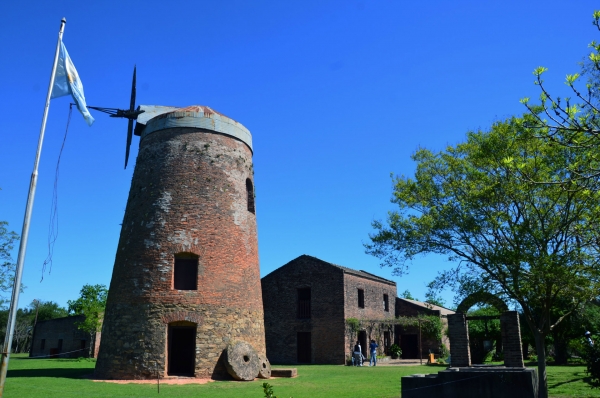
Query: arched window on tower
250	193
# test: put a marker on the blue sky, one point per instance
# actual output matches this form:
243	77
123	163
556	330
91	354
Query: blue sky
337	95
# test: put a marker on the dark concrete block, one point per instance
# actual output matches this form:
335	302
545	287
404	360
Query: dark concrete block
473	382
291	372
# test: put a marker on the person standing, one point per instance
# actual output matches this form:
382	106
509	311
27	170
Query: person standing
357	355
373	348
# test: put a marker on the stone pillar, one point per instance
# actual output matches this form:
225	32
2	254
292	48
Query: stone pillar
511	339
459	340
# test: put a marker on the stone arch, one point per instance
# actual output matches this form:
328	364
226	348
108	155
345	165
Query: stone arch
481	297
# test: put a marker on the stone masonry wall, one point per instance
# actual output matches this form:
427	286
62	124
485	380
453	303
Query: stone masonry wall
511	339
326	324
188	195
459	340
60	328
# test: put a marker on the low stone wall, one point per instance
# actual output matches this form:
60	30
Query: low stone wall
473	382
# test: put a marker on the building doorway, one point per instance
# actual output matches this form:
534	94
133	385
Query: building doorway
362	337
182	349
409	344
304	347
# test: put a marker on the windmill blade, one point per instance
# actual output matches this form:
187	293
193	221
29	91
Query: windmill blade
130	124
129	135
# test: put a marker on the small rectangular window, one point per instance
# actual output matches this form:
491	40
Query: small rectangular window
43	344
304	303
386	303
361	298
82	344
60	341
185	274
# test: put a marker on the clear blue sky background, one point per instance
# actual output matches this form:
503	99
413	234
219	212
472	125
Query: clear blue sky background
337	95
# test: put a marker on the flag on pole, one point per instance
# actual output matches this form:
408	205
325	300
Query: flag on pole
67	82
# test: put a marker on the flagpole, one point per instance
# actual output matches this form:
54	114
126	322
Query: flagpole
12	314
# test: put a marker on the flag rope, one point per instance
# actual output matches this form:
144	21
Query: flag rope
53	226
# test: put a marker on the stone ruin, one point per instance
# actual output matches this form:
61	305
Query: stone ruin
462	380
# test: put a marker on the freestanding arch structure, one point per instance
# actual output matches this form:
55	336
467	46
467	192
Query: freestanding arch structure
186	279
509	326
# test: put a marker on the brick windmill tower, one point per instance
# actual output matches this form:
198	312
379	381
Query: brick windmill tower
186	279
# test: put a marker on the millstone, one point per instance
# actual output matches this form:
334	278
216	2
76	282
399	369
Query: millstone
264	371
241	361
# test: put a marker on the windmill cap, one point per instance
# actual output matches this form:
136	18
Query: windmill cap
156	118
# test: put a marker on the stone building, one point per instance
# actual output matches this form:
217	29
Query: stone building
306	304
60	338
408	337
186	279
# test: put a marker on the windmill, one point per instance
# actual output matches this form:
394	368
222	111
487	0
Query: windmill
131	114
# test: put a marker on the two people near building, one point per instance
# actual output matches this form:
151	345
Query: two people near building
358	357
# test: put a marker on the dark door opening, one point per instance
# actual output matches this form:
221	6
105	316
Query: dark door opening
304	347
362	337
409	344
182	350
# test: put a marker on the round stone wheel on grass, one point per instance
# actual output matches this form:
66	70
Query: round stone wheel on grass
264	371
241	361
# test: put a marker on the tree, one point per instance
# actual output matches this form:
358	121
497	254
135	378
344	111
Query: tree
406	294
533	243
7	266
91	303
572	123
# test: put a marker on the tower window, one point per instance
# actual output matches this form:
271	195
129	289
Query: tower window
361	298
185	274
386	303
250	193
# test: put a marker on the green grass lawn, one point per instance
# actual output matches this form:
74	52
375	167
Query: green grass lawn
66	378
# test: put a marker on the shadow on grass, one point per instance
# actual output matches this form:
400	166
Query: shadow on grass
65	373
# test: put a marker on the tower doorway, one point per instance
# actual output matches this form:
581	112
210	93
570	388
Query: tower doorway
181	349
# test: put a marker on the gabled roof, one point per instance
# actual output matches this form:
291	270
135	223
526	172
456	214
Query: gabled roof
346	270
442	310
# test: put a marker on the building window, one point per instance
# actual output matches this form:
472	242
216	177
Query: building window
386	303
43	344
361	298
60	341
185	273
82	344
304	303
250	193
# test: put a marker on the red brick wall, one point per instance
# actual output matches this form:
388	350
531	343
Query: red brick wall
188	194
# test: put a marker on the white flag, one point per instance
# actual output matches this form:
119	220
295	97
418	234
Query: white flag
67	82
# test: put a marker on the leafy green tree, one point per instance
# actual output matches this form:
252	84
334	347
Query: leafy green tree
7	265
406	294
484	330
572	122
47	310
533	243
91	303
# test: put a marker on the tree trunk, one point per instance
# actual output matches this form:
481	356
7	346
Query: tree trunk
540	348
92	344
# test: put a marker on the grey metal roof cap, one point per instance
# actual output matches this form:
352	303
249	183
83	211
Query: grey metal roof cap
196	116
